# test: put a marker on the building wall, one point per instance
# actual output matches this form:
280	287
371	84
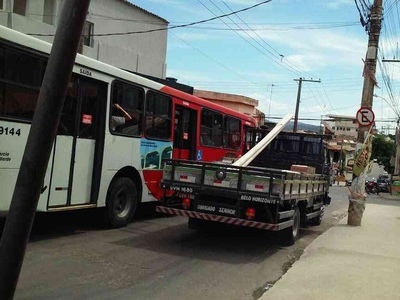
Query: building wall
347	128
240	107
242	104
144	53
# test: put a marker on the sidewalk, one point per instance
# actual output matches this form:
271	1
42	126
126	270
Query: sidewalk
388	196
348	262
340	183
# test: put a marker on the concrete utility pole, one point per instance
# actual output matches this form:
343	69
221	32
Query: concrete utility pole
397	161
370	62
40	142
270	100
9	10
296	115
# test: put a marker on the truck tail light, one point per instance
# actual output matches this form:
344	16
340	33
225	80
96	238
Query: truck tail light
250	213
186	203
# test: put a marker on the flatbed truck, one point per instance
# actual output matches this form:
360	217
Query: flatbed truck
260	195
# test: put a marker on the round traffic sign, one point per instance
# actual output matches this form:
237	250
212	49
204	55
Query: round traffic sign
365	116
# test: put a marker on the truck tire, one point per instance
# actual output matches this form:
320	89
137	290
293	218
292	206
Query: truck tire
289	235
316	221
122	201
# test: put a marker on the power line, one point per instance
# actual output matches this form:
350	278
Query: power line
273	58
265	42
293	25
209	57
173	27
272	28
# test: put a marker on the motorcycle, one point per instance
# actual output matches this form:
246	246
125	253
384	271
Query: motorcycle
371	187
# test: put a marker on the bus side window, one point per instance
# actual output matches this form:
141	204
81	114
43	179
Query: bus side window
158	116
127	109
21	76
231	133
211	128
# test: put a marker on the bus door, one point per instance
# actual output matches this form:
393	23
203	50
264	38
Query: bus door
79	144
185	133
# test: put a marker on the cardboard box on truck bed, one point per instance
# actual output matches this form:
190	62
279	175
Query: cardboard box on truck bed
303	169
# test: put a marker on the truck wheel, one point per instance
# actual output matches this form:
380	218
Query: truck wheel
289	235
316	221
122	200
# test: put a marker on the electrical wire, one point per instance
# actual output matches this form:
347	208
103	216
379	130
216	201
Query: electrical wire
270	55
267	44
173	27
212	59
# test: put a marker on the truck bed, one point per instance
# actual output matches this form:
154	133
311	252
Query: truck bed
264	185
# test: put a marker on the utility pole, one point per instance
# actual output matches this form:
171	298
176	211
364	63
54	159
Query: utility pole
370	62
9	10
270	100
296	116
40	142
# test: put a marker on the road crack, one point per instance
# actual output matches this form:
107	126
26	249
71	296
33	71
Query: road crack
291	259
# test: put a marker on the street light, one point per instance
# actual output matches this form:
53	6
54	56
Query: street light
387	102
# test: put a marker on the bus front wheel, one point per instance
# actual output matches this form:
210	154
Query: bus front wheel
122	198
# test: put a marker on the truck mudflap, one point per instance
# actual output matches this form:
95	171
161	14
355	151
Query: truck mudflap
224	219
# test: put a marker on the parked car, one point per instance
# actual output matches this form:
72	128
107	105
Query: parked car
383	185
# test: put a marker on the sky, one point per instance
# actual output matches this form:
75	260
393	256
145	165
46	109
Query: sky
313	39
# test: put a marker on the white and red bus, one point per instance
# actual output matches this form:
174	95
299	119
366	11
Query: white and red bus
115	130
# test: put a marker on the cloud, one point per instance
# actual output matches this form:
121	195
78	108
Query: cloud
337	3
269	77
186	77
277	107
194	36
177	4
307	62
316	49
243	2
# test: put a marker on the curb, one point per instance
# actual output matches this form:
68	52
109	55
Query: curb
389	197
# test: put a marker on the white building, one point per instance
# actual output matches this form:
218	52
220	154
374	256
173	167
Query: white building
143	53
341	126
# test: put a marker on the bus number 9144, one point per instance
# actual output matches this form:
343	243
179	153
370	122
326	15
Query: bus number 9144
9	131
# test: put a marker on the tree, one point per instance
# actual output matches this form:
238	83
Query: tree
383	148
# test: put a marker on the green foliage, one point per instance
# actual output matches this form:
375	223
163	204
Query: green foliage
383	148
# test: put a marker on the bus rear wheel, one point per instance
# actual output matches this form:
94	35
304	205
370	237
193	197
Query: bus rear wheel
122	201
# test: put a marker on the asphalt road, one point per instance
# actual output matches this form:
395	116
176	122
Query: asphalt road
72	256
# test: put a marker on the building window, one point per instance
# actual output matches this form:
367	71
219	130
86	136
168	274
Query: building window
333	128
211	128
311	145
48	11
87	34
287	144
127	109
20	7
231	133
348	129
158	116
1	4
